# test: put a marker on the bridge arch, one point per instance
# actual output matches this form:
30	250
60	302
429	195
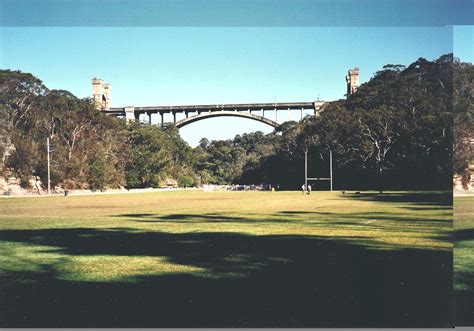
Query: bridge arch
202	116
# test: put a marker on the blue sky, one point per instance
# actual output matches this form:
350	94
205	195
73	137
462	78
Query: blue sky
463	42
236	12
160	52
195	65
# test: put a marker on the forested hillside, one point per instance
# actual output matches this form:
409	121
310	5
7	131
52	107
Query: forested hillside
89	149
463	117
395	132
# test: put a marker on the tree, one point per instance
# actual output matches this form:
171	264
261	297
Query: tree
24	160
77	132
463	110
379	128
186	181
150	158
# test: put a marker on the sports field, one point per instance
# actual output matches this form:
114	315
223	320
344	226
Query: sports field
464	260
217	259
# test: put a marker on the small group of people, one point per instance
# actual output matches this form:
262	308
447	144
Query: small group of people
304	190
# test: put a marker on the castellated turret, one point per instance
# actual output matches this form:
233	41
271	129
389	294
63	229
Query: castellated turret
101	93
352	80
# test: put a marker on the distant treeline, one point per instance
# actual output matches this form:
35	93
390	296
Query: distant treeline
396	132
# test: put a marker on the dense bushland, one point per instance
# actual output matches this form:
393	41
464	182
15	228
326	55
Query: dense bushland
395	132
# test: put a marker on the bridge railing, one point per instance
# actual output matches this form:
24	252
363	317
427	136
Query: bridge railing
133	113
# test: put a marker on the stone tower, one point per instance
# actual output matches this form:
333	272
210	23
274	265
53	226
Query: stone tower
101	93
352	80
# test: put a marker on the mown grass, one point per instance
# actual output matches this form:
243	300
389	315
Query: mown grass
464	260
191	258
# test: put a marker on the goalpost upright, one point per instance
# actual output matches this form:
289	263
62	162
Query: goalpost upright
306	178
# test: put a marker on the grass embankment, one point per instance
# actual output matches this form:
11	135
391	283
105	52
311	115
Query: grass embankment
464	260
227	259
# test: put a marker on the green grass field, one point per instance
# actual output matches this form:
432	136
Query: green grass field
464	260
220	259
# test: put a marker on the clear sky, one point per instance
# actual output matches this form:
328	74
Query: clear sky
196	65
171	52
463	42
236	12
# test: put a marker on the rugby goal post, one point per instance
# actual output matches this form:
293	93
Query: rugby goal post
306	178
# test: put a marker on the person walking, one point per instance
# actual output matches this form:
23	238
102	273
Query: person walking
302	189
309	188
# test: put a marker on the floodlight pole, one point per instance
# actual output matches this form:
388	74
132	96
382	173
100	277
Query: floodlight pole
306	170
49	172
330	166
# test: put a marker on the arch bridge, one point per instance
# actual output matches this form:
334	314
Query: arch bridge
194	113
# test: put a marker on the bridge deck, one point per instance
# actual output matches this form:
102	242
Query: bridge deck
219	107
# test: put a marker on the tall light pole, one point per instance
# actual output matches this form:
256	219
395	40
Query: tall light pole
330	166
306	170
49	170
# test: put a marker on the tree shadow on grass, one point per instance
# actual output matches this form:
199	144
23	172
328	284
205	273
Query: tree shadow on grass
250	281
185	217
464	298
464	307
464	289
322	218
436	199
202	218
379	216
464	235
